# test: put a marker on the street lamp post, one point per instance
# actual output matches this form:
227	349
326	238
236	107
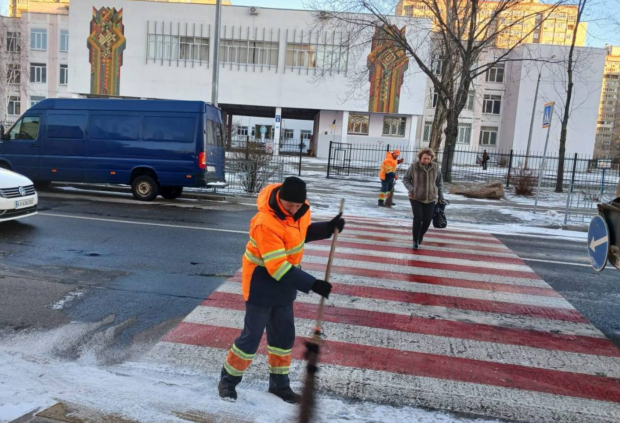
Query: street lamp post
529	138
216	54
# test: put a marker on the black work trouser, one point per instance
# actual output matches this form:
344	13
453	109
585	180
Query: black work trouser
280	325
422	217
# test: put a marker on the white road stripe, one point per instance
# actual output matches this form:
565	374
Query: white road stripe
449	291
419	258
429	344
385	387
406	229
438	312
408	244
407	270
129	222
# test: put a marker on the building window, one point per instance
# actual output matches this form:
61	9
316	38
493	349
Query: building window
34	100
306	135
289	134
243	131
38	73
358	124
14	106
394	126
488	135
471	97
300	56
437	64
246	52
333	58
14	74
464	134
496	73
428	128
163	47
13	42
64	40
38	39
64	74
492	104
408	10
433	98
193	49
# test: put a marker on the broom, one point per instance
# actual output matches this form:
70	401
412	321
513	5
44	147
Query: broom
313	345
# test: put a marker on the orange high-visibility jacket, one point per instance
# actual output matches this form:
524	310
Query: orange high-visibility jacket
388	167
271	264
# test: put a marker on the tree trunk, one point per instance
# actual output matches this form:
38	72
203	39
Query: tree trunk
438	122
452	133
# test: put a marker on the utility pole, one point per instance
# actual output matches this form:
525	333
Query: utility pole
216	54
529	138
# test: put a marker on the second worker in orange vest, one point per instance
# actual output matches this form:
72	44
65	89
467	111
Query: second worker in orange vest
271	278
388	174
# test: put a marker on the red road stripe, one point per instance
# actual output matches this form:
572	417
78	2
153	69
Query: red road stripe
434	280
430	234
427	265
424	252
434	244
438	327
484	306
422	365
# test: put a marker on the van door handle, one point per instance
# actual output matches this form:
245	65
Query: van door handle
34	145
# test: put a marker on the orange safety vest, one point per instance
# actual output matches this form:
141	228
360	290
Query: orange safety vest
388	166
276	244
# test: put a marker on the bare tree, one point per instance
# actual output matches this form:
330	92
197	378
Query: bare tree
14	75
570	64
473	36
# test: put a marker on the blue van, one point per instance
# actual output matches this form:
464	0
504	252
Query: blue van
156	146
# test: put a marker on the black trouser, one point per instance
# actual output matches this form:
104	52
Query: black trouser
422	217
484	165
280	325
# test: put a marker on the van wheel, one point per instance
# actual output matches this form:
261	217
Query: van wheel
144	188
171	193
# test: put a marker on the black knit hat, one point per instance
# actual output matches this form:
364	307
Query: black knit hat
294	190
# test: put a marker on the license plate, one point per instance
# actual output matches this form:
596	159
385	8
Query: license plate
20	204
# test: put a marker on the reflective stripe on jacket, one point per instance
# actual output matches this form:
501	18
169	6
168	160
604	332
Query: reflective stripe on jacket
388	167
272	259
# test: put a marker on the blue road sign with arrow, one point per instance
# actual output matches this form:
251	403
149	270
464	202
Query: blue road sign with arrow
598	243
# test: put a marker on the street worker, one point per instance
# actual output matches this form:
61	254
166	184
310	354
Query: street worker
388	174
425	185
271	277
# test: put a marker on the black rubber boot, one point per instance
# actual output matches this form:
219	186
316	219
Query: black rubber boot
381	203
227	385
280	386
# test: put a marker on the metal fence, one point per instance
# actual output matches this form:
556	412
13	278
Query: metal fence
364	161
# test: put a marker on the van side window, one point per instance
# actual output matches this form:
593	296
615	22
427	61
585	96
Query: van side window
66	126
115	128
26	129
173	129
219	135
209	133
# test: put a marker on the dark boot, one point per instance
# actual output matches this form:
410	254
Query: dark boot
280	386
416	246
227	386
381	203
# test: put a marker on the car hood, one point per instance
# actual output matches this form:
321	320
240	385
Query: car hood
10	179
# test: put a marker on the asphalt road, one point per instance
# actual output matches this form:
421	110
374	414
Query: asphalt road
116	274
128	272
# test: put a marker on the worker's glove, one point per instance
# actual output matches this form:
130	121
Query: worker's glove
322	288
336	222
400	161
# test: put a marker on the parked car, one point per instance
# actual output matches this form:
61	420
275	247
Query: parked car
18	197
156	146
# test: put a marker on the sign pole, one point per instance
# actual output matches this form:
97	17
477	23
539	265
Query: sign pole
547	118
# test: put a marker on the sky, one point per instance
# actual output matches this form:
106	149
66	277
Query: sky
598	33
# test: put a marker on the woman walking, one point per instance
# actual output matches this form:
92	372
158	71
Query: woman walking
424	183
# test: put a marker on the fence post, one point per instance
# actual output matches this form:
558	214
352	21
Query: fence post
301	151
509	169
329	158
570	190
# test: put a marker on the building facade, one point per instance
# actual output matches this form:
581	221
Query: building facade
271	66
524	20
35	65
608	126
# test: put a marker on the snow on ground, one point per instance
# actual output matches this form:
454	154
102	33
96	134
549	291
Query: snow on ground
32	379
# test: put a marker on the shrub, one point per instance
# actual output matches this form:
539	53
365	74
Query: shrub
253	164
524	182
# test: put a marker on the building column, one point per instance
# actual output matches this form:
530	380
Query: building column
345	127
276	131
229	124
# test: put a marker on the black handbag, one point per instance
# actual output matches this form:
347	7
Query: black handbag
439	216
